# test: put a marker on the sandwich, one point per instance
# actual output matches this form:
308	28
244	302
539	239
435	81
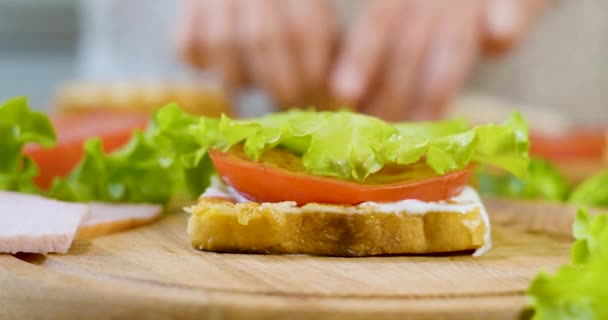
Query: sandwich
339	183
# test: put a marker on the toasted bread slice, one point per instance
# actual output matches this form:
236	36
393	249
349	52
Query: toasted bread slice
221	225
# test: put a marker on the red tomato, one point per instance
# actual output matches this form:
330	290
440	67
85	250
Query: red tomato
114	129
280	176
581	143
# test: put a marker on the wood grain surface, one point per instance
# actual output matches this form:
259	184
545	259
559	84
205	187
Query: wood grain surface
153	272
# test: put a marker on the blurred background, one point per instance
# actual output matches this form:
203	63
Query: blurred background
76	54
38	47
560	71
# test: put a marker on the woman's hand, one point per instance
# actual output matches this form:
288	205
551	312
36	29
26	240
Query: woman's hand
283	46
405	59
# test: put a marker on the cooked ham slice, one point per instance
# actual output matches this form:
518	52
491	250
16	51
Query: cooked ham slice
108	218
30	223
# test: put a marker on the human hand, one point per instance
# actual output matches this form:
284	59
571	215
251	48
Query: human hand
283	46
405	59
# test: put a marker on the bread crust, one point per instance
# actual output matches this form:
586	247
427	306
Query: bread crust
221	225
106	218
110	227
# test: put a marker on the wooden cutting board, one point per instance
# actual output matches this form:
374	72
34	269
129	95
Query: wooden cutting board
153	272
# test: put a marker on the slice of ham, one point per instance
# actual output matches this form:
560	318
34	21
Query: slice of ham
105	218
30	223
34	224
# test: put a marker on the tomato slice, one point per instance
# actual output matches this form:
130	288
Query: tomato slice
113	127
576	144
280	176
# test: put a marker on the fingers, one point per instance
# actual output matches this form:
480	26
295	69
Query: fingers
364	50
219	38
187	33
394	99
206	37
284	46
269	58
450	58
506	22
312	33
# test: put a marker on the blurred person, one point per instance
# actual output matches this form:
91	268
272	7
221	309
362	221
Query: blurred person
396	59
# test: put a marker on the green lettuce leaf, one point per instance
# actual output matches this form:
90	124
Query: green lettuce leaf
578	290
453	152
352	146
32	126
155	166
347	145
505	146
592	192
151	168
574	292
138	172
172	133
19	125
591	236
543	181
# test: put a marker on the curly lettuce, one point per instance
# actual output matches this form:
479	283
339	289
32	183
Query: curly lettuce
352	146
578	290
135	173
19	125
150	168
146	170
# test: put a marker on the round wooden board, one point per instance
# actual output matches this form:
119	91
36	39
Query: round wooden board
154	272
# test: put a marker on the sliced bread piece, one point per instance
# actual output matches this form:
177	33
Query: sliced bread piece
221	225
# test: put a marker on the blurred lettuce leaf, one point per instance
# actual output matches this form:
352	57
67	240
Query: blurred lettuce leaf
592	192
591	236
32	126
578	290
574	292
19	125
543	181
